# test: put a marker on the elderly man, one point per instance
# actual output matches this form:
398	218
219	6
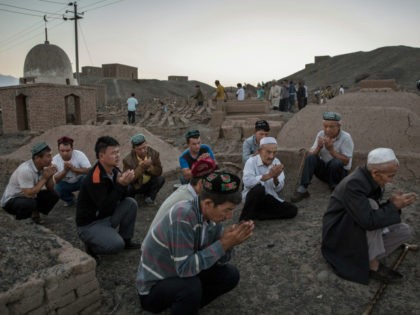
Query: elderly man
25	195
145	162
104	206
199	169
263	179
71	165
358	229
329	158
251	144
196	151
183	265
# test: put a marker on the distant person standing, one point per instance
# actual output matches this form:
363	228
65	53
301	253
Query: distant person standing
341	90
418	85
292	95
301	95
221	94
131	107
240	93
198	96
260	92
274	95
305	99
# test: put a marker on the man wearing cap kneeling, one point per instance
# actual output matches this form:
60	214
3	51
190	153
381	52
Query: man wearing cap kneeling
30	190
147	167
183	265
71	165
199	169
196	151
263	179
251	144
329	158
358	229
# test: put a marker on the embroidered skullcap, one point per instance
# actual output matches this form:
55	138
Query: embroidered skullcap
203	167
192	134
268	140
138	139
65	139
221	182
381	155
262	125
331	116
38	148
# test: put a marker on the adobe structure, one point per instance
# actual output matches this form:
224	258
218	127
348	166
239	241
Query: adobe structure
119	71
179	78
48	95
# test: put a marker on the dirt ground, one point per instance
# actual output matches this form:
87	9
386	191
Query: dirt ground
282	269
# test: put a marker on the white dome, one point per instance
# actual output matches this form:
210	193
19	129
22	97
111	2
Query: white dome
48	63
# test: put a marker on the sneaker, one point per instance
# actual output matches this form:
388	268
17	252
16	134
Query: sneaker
385	274
69	204
298	196
150	202
132	245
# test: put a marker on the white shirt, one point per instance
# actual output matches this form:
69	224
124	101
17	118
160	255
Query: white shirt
25	176
132	104
253	171
78	159
240	94
343	144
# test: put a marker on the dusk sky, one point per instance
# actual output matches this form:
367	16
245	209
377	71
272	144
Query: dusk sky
233	41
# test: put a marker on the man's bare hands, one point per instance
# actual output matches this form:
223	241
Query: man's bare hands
49	171
126	178
146	163
236	234
68	166
401	200
276	170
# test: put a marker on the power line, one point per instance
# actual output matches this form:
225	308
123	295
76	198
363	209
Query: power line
30	10
92	4
86	46
61	3
95	8
21	13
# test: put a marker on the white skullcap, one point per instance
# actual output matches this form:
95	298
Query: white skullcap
268	140
380	156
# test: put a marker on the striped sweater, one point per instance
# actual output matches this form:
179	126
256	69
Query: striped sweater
180	245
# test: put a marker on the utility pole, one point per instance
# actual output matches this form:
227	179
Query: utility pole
75	18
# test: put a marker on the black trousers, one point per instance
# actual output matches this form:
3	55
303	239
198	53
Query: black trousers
131	116
262	206
22	207
185	296
331	172
150	189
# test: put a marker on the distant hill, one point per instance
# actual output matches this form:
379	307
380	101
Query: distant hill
8	80
401	63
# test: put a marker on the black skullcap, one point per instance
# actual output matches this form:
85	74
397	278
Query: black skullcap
221	183
192	134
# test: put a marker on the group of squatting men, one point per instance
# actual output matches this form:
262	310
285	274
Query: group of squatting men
185	254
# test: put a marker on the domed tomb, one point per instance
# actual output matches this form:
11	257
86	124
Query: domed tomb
47	63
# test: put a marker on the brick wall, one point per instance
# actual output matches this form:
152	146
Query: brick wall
70	287
45	105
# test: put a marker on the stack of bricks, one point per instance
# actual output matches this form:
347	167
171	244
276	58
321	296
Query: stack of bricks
70	287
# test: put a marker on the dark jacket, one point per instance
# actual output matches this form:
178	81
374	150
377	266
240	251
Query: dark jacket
348	217
131	162
98	195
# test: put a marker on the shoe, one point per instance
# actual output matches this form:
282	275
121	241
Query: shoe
298	196
385	274
132	245
36	217
150	202
69	204
37	220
